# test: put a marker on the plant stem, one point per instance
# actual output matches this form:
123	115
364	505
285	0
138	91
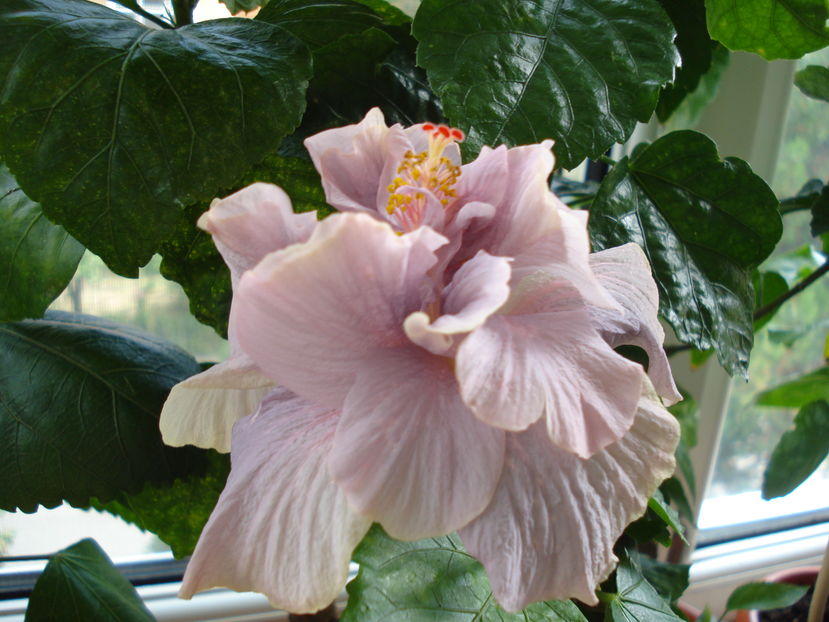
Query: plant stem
765	309
183	11
821	592
769	308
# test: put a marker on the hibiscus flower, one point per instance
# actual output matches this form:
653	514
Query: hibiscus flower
436	357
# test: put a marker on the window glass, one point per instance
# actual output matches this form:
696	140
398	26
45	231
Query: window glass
793	343
150	302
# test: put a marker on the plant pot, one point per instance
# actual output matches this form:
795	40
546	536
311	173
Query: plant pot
805	575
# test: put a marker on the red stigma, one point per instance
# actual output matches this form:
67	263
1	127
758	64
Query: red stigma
457	134
443	130
428	127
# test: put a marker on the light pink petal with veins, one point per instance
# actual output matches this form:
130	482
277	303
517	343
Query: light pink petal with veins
281	527
312	314
201	410
545	358
357	162
550	529
408	452
624	271
253	222
564	253
477	290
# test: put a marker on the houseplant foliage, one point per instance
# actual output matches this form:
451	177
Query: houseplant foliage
118	129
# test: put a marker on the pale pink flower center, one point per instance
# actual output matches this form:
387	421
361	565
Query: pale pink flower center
421	174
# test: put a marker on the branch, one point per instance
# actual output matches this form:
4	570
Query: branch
794	291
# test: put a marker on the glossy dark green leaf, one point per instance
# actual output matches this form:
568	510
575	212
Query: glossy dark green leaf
704	224
768	287
668	515
176	513
695	50
113	126
37	258
820	213
190	258
390	13
80	584
770	28
636	600
521	71
674	493
813	196
799	451
321	22
432	580
669	580
795	393
80	399
765	596
813	81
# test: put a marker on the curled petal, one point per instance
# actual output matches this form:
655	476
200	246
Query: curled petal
310	315
253	222
408	452
201	410
357	162
549	360
624	271
477	290
281	526
550	529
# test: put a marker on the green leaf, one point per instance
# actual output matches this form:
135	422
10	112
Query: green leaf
765	596
771	28
37	258
80	584
788	336
79	404
813	81
667	514
813	196
820	213
190	258
113	126
795	393
235	6
432	580
674	493
175	513
695	50
704	224
390	13
768	287
797	264
669	580
321	22
636	600
799	451
516	72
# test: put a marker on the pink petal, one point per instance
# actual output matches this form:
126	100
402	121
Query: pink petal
477	290
563	252
253	222
310	315
549	360
550	530
408	453
202	409
281	526
357	162
485	179
624	271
